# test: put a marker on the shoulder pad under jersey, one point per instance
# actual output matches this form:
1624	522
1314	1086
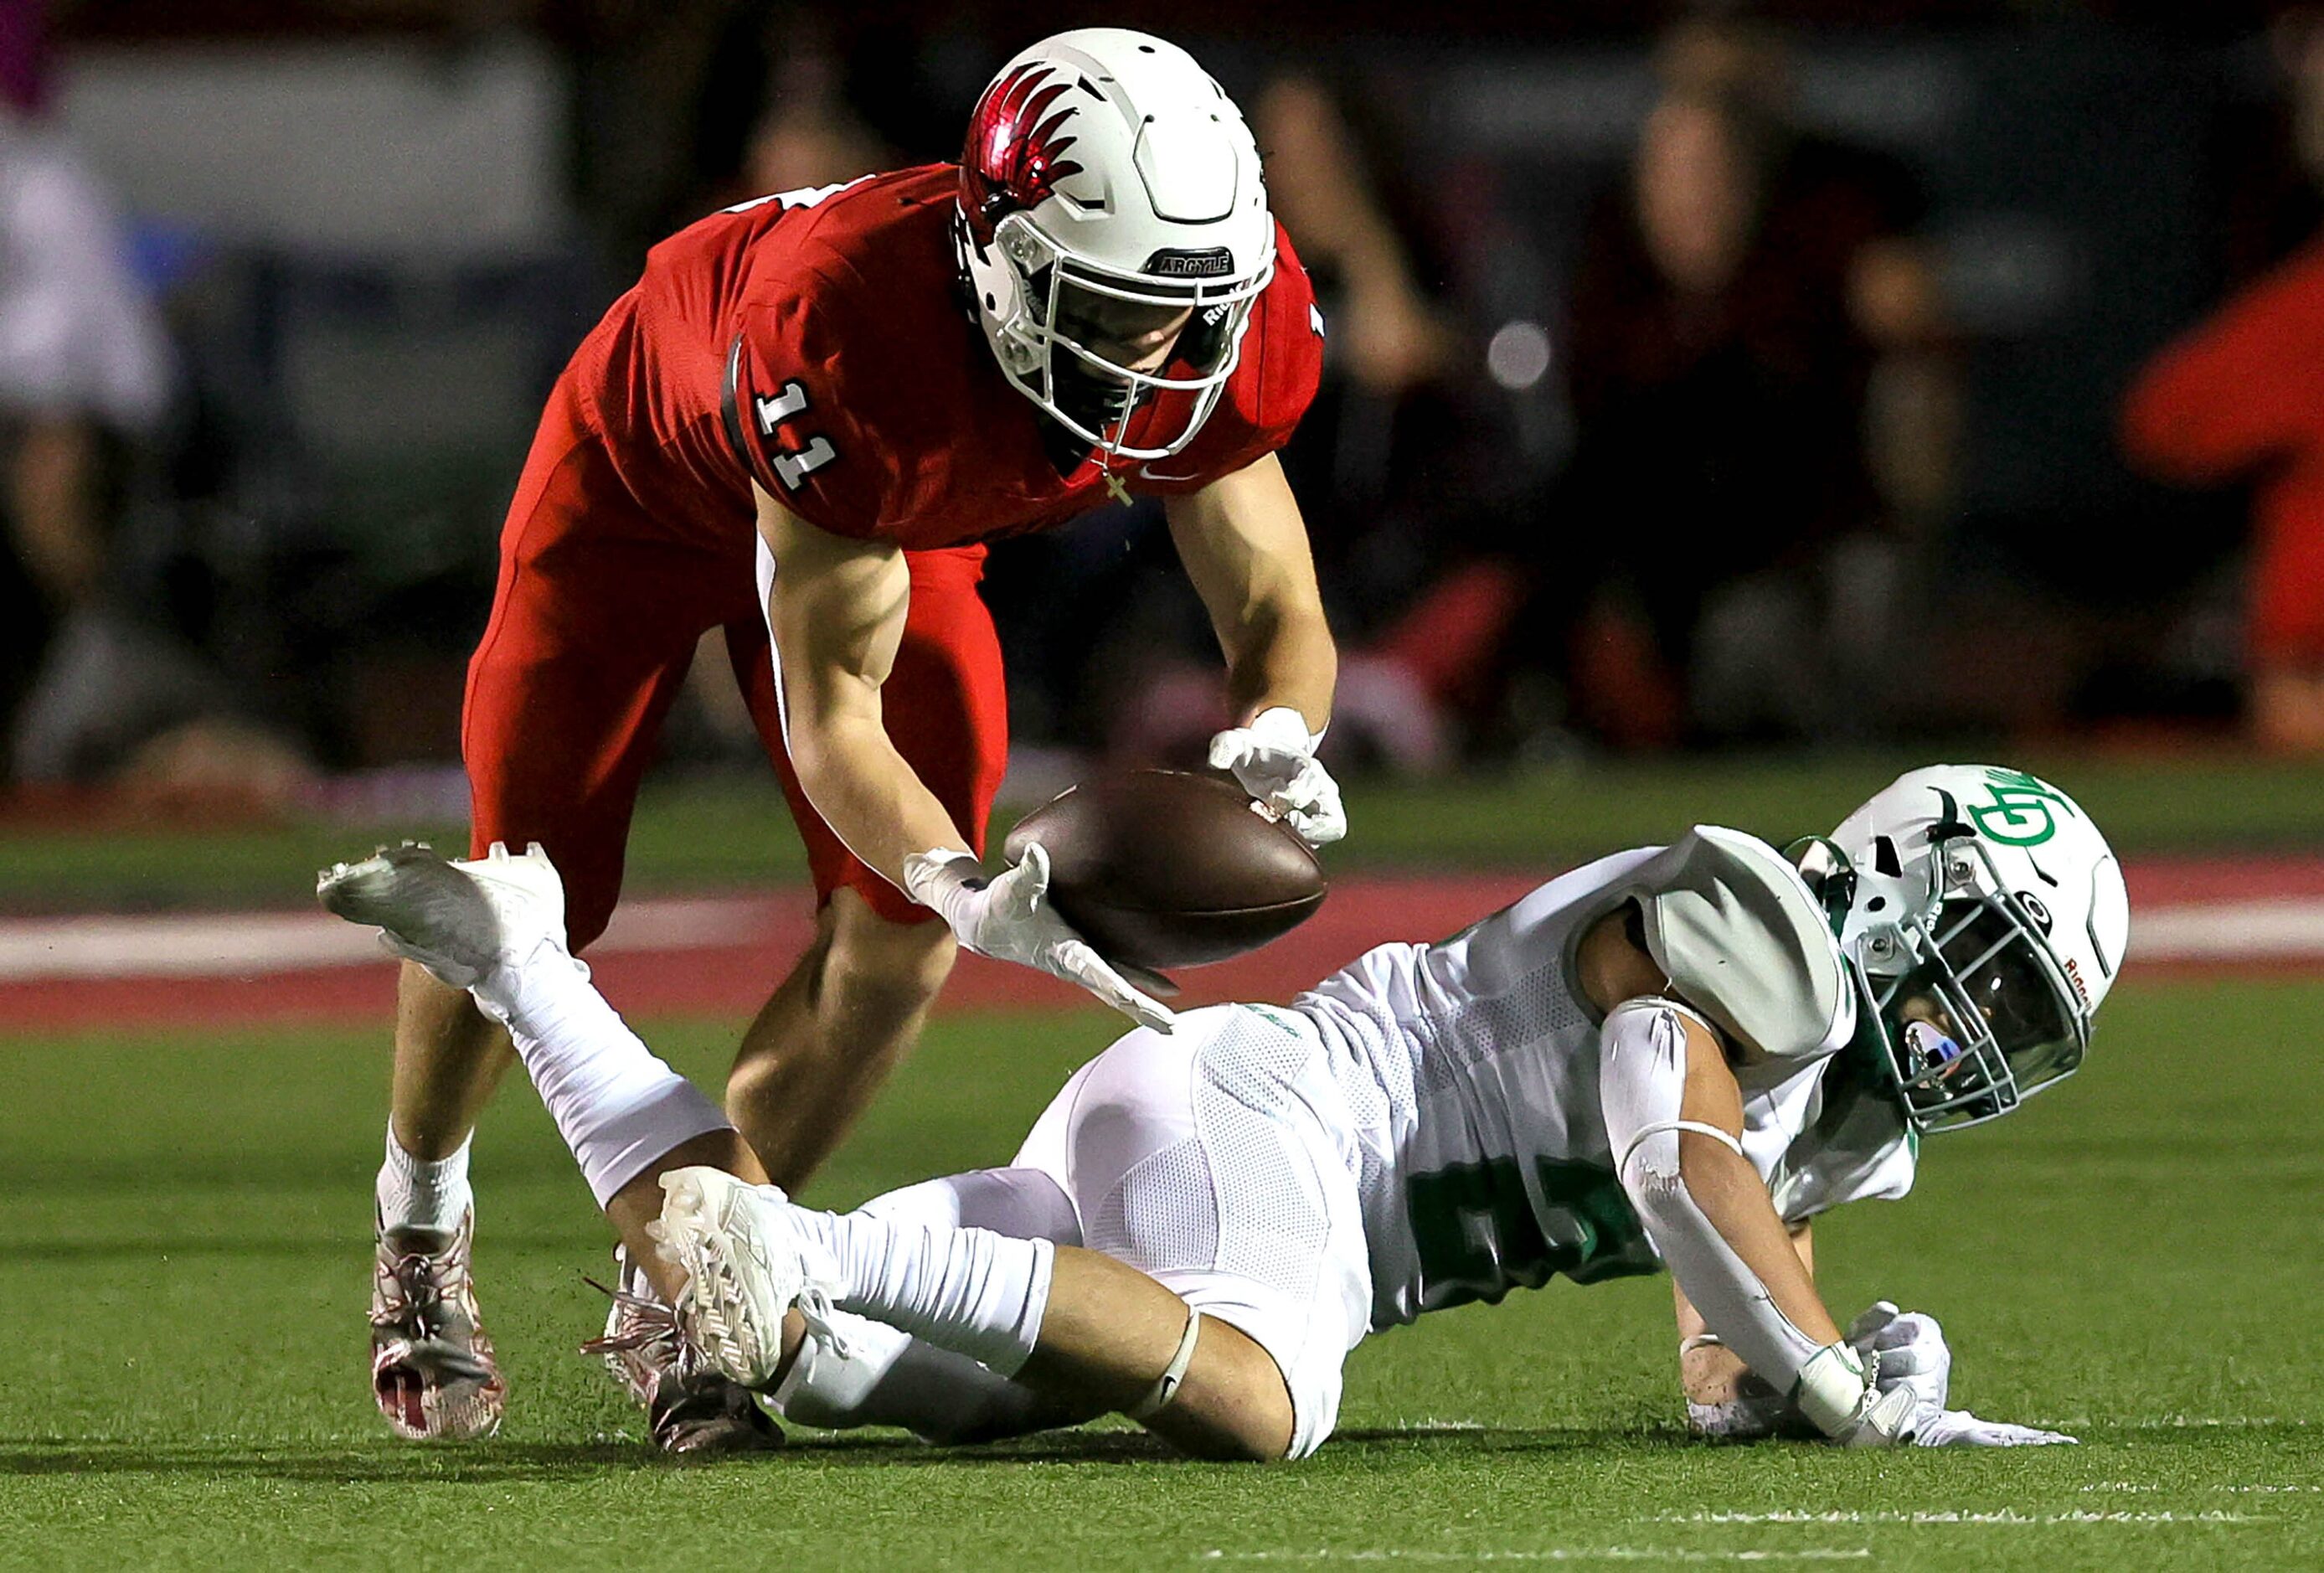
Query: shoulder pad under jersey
1736	931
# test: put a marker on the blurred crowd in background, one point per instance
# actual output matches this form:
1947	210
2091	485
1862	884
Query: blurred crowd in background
1697	377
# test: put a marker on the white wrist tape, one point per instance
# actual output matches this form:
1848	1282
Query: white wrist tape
1281	726
1165	1387
1641	1087
930	875
1831	1388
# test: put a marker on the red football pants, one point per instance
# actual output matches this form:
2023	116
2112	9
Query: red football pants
594	622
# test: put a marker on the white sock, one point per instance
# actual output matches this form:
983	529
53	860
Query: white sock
970	1290
421	1193
890	1378
618	1108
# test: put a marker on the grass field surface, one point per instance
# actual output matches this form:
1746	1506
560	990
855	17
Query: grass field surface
184	1249
723	833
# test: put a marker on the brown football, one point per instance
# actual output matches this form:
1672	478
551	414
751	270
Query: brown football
1159	868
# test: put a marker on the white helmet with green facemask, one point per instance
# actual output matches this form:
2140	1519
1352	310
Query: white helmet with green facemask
1985	920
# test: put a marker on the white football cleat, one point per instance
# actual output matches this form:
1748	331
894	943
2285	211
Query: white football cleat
433	1372
747	1265
459	919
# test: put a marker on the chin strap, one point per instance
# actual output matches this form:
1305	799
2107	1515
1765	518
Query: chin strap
1165	1387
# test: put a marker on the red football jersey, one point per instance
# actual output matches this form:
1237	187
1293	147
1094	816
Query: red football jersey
815	342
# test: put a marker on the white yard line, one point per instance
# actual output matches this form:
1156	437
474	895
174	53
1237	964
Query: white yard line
2141	1485
1546	1554
2006	1515
2288	928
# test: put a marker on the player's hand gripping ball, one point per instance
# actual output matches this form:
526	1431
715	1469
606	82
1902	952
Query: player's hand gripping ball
1156	868
1274	758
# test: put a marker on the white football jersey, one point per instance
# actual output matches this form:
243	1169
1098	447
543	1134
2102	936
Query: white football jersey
1471	1067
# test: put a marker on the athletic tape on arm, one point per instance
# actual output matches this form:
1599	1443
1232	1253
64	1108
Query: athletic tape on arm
1642	1084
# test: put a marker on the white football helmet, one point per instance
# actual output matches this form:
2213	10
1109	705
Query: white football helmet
1984	919
1110	189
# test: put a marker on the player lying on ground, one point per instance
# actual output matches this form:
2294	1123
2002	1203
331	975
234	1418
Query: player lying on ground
800	428
1673	1056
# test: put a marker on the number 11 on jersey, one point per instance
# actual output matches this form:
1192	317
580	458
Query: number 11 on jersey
792	466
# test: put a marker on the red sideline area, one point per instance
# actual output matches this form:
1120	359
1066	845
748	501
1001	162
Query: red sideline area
721	957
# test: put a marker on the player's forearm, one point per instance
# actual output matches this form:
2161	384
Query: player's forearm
1674	1118
868	794
1283	655
1734	1199
1245	550
1708	1369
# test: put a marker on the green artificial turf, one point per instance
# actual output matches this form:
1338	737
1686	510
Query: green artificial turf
184	1253
728	831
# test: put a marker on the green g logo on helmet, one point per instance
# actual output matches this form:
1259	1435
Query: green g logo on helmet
2022	812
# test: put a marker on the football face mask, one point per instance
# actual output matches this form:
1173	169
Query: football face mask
1979	1018
1984	920
1092	350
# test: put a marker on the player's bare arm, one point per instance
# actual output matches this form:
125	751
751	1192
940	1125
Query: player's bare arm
837	610
1245	548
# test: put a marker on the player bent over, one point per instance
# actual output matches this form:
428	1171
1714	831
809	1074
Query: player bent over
801	427
1673	1056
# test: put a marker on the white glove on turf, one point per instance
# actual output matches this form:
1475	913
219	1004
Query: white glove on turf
1010	918
1911	1367
1904	1349
1911	1351
1274	758
1956	1427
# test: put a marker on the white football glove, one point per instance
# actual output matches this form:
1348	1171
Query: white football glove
1911	1353
1956	1427
1904	1349
1274	758
1010	918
